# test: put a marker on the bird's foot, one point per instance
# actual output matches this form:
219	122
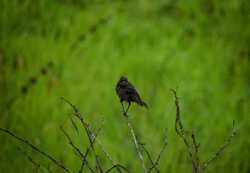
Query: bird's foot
124	113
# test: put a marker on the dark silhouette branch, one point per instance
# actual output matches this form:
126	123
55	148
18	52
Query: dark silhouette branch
160	154
117	166
149	158
88	149
77	150
92	137
74	125
31	160
181	132
88	132
26	142
221	148
193	148
109	157
196	150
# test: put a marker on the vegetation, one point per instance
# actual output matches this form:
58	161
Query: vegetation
79	49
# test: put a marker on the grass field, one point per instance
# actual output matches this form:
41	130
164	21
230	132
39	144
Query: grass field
200	47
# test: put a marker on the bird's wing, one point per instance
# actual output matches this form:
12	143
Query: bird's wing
134	95
131	89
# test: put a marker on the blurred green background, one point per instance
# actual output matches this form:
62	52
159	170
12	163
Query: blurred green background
201	47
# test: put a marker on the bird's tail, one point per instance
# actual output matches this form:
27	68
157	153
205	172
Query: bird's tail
142	103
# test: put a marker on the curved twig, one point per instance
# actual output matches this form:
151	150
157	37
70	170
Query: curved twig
221	148
117	166
26	142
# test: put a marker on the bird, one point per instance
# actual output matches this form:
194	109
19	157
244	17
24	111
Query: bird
127	92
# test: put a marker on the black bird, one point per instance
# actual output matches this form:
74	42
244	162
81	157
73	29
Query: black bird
127	92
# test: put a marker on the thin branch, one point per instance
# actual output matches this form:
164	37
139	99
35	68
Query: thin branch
87	130
71	142
197	166
178	119
109	157
125	113
26	142
196	149
160	154
149	158
181	132
221	148
78	151
37	165
74	125
88	150
117	166
196	145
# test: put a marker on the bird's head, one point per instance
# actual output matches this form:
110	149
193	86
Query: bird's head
123	78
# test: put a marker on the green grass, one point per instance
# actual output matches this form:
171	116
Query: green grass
200	47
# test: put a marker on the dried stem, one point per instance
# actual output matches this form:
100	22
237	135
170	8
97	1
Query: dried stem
88	150
26	142
181	132
136	145
125	113
31	160
194	154
196	151
150	158
221	148
78	151
88	132
160	154
109	157
117	166
74	125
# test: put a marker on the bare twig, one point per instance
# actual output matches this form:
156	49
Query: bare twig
136	145
125	113
71	142
181	132
149	158
160	154
221	148
178	122
26	142
74	125
88	150
196	150
194	154
109	157
78	151
87	130
37	165
117	166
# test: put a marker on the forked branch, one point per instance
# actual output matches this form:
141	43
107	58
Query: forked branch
193	146
221	149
